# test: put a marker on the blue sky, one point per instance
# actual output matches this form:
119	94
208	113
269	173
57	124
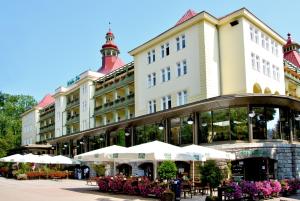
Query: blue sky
45	43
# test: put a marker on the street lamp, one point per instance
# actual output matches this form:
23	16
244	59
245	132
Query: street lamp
190	120
127	132
251	113
161	126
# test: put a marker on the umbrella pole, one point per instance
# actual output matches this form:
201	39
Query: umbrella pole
193	171
155	169
114	167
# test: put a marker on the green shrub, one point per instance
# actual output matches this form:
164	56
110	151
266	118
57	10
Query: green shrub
167	170
99	169
211	175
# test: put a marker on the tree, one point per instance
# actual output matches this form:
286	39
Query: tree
11	108
167	170
211	175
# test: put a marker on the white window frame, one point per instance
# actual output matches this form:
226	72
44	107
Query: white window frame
162	51
183	42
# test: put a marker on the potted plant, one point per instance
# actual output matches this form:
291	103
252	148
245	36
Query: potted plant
167	170
211	175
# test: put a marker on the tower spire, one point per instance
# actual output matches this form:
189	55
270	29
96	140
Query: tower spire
110	52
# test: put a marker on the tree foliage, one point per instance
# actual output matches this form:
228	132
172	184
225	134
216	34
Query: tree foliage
211	174
167	170
11	108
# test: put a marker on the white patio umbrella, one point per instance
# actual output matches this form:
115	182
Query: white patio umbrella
13	158
103	154
207	153
156	151
30	158
63	160
45	159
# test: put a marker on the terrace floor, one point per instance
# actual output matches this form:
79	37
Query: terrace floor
72	190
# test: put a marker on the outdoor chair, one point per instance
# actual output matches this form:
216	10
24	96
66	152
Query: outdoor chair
186	187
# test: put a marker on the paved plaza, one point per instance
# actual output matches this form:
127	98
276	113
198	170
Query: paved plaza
71	190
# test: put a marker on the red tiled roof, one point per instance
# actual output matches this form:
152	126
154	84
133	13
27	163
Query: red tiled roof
47	100
293	57
110	63
189	14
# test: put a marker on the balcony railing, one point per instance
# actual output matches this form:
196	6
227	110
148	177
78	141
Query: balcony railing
69	132
73	119
124	82
118	103
72	103
47	115
47	128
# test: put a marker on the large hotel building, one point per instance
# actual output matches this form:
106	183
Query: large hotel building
230	83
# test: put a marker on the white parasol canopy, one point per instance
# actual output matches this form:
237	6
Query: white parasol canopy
63	160
103	154
208	153
13	158
156	151
30	158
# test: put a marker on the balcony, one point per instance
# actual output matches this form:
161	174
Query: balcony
116	104
72	119
47	115
102	90
73	103
47	128
69	132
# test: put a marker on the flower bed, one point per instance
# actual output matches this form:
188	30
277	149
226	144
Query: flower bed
260	189
131	186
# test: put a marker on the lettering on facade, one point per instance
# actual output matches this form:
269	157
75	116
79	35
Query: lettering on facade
73	81
253	153
141	156
167	156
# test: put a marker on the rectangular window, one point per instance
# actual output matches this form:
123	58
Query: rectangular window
184	67
168	73
151	106
166	102
178	69
253	61
251	33
183	41
149	81
256	36
167	49
169	103
178	43
153	79
257	63
272	47
263	42
277	74
181	68
163	106
181	98
149	58
162	51
267	43
153	55
264	66
274	72
276	50
163	75
268	69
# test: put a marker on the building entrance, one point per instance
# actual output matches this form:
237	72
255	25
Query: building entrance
253	169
